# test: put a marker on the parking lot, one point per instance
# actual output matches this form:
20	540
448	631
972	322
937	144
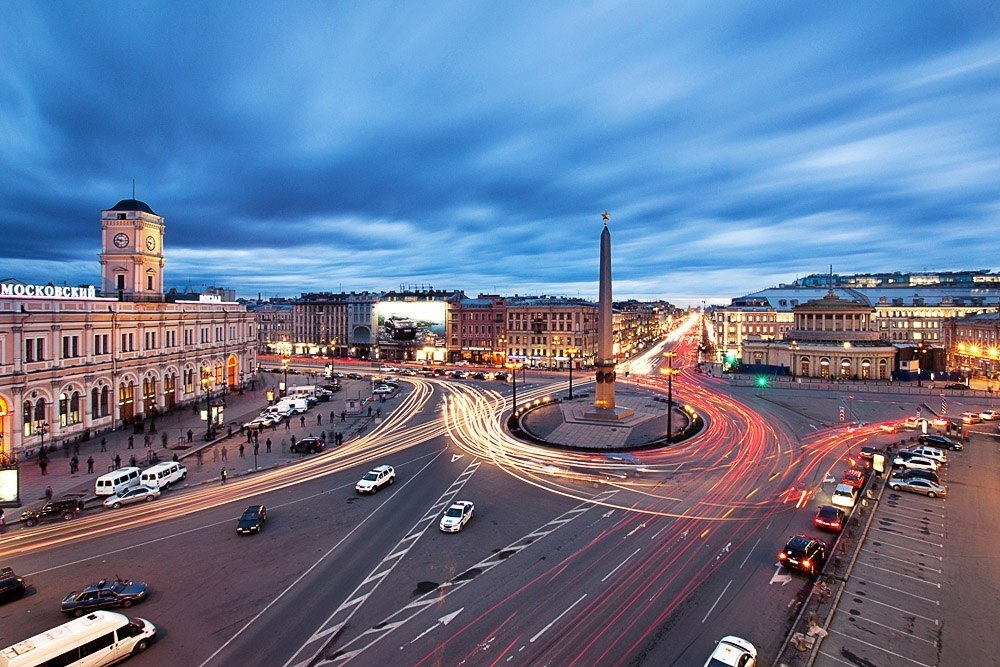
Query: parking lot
890	612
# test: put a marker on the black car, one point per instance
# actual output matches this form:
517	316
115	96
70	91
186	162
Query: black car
955	385
62	508
104	594
939	441
252	520
500	375
12	587
830	518
479	375
868	452
909	473
804	553
355	376
308	446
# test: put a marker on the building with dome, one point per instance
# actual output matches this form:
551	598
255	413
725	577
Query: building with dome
78	361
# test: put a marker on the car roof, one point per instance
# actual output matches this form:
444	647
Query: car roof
844	487
381	469
254	508
800	541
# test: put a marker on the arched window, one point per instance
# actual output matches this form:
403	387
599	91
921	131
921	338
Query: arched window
33	416
74	408
866	369
824	368
883	369
63	410
845	368
95	400
804	367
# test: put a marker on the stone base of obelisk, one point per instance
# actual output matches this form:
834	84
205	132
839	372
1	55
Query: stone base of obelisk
615	414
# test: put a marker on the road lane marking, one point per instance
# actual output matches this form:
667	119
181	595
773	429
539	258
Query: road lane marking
750	552
717	601
900	590
880	648
620	565
556	619
869	621
868	598
899	574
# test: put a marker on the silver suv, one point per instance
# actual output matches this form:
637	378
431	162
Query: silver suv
375	479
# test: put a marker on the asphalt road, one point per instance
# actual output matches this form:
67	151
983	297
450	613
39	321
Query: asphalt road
553	569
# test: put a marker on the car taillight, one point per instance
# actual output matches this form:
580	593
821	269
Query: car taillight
782	556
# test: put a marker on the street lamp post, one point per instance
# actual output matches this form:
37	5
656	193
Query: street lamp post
572	353
207	385
670	391
241	383
284	367
43	428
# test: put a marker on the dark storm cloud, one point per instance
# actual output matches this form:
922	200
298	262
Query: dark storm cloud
473	146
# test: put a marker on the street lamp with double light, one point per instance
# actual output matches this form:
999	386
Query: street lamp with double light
669	372
206	384
571	353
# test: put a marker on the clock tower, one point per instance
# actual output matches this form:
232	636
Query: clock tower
132	251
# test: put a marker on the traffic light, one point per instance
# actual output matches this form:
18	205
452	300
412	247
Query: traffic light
730	357
762	381
841	413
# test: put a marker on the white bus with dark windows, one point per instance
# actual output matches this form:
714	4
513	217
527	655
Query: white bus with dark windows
97	639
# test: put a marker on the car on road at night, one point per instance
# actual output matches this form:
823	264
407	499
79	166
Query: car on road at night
12	587
456	516
971	418
932	453
956	385
989	415
829	518
355	376
105	594
803	553
854	477
136	494
307	446
890	427
844	495
458	375
252	520
915	462
500	375
732	651
918	485
60	509
940	441
375	479
382	389
479	375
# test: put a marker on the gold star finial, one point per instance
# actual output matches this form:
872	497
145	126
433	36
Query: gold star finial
605	216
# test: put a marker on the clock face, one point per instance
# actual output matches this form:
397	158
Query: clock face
121	240
150	243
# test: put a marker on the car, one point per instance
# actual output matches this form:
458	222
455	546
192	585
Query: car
375	479
854	477
456	516
803	553
918	462
889	427
940	441
918	485
458	375
337	374
921	474
989	415
479	375
355	376
844	495
104	595
500	375
731	651
62	508
932	453
971	418
383	389
12	587
307	446
135	494
829	518
956	385
252	520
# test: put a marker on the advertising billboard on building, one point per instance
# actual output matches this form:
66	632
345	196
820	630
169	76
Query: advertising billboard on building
403	321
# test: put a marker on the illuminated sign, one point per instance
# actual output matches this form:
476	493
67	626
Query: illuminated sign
9	487
411	320
49	291
213	298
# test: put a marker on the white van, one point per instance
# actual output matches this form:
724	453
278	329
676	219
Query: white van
295	406
163	475
97	639
117	481
303	391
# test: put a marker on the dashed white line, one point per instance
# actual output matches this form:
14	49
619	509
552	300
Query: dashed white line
717	601
620	565
556	619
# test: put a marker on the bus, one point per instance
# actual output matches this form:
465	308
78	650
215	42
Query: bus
97	639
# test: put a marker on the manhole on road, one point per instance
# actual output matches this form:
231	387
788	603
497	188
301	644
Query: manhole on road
425	587
467	575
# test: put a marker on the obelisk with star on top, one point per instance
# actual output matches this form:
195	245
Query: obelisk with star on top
605	365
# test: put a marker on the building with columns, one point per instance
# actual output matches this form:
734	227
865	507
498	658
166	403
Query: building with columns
77	361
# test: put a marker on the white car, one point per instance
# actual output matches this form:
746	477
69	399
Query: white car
383	389
989	415
971	418
844	495
916	463
732	651
456	516
375	479
136	494
932	453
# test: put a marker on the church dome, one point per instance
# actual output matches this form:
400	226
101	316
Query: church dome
132	205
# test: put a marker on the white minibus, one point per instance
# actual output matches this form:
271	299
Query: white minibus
163	474
97	639
116	481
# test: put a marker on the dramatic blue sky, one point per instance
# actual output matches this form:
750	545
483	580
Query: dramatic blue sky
470	145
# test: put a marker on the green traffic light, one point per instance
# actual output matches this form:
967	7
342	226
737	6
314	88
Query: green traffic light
761	381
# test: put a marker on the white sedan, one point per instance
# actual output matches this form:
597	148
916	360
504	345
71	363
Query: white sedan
916	463
989	415
733	651
456	516
383	389
136	494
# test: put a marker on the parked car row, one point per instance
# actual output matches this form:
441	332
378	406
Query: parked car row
918	469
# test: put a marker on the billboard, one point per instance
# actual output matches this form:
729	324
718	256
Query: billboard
411	321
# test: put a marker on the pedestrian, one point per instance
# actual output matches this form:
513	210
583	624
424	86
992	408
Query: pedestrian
230	433
322	436
118	461
343	415
43	464
288	424
378	413
131	442
256	449
249	435
223	474
302	421
319	419
76	449
163	439
215	455
190	434
267	445
90	464
332	416
241	449
293	441
104	444
3	523
132	461
48	493
147	440
369	411
74	464
175	458
225	454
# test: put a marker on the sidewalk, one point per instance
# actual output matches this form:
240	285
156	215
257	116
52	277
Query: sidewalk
221	451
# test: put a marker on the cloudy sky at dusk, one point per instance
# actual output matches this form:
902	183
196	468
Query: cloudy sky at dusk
296	147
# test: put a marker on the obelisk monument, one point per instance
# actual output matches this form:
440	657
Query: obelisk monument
604	399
